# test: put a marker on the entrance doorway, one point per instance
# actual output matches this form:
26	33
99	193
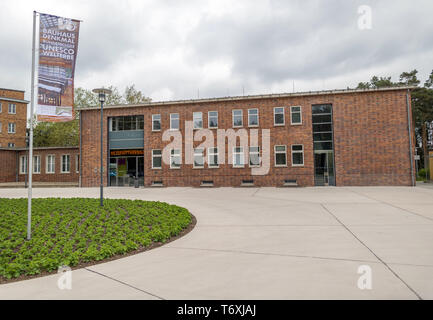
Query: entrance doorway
324	168
124	170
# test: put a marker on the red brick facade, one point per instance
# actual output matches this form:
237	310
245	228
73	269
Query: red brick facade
8	170
19	118
371	138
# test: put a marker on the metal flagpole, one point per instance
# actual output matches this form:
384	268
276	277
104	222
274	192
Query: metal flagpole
30	160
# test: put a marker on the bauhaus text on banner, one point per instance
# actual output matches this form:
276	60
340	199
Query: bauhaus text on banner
57	55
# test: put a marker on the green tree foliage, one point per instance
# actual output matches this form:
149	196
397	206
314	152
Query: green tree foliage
65	134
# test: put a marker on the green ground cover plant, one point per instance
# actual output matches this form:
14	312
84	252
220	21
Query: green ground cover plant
77	230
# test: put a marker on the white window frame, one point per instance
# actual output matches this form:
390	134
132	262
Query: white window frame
211	152
37	164
47	163
258	122
279	152
197	153
11	145
1	107
171	121
61	163
13	126
284	117
233	118
199	116
175	155
242	154
23	164
254	152
297	151
153	120
157	156
291	115
77	163
209	117
14	108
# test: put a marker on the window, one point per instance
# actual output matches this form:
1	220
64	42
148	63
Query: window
197	120
23	164
238	157
36	164
174	121
12	108
295	115
254	156
0	107
0	127
213	157
213	119
11	145
237	118
297	155
156	159
279	116
198	158
77	163
50	165
126	123
280	156
11	127
156	122
253	117
66	163
175	159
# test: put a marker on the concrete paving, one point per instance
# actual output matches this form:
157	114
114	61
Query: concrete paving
268	243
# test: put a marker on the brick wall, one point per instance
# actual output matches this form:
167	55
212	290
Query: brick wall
8	159
20	119
370	135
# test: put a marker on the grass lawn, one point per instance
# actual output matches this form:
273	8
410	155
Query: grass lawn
77	231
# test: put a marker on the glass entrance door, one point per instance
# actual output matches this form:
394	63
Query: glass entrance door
124	170
324	168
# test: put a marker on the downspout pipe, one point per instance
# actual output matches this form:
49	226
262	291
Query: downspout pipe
81	153
410	137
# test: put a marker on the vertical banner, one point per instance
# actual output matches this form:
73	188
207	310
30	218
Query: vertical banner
58	44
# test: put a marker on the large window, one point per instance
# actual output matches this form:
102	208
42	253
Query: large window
36	164
280	156
213	119
295	115
11	127
197	120
174	121
254	156
23	164
175	159
279	116
238	157
12	108
126	123
66	163
198	158
237	118
156	159
156	122
213	157
50	166
297	155
253	117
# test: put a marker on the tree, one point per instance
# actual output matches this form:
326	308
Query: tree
132	96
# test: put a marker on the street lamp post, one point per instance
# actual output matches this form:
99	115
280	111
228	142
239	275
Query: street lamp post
102	92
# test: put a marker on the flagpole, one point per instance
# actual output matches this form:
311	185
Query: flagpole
30	160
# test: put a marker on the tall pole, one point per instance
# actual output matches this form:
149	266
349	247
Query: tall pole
32	103
102	149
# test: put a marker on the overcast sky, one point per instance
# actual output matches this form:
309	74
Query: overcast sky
178	49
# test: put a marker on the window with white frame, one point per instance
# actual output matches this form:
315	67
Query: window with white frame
175	159
156	122
36	164
50	164
0	127
198	158
297	155
66	163
280	156
11	145
1	107
212	157
237	118
77	163
197	118
12	108
156	159
238	157
295	115
11	127
279	116
254	156
174	121
213	119
253	117
23	164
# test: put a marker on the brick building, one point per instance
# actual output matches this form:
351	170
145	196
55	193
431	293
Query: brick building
340	137
13	118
